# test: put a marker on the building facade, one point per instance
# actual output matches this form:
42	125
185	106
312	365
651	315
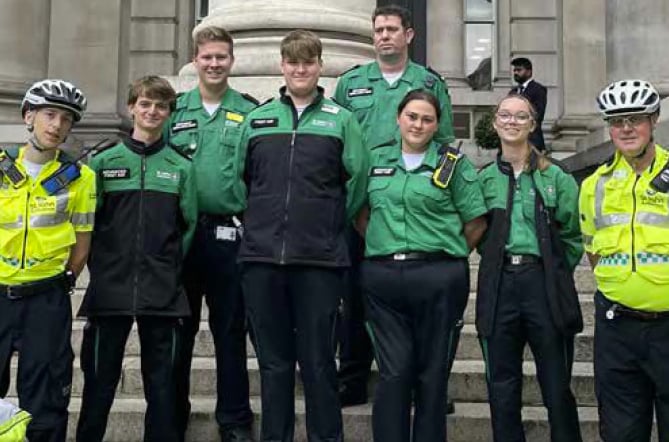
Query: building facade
576	47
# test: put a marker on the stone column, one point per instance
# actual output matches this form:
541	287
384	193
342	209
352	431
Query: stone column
636	45
258	26
583	69
89	43
445	40
20	22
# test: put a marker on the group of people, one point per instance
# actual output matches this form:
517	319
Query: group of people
274	213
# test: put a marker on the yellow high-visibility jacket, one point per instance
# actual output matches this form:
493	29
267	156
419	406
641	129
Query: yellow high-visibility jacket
626	222
37	230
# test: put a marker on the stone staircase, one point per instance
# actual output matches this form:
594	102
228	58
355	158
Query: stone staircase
467	385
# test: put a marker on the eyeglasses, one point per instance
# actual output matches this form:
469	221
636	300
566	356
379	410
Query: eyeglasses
520	117
632	121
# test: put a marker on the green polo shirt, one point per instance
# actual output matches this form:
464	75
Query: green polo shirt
522	238
210	140
374	102
408	213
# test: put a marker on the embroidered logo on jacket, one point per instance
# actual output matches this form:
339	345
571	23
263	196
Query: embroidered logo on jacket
258	123
115	174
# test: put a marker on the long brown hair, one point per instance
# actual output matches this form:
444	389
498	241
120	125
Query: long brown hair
542	162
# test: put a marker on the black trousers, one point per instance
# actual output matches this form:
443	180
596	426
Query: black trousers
411	311
39	327
631	367
523	316
102	352
355	348
292	311
211	270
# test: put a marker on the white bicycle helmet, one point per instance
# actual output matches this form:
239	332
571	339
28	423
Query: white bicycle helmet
55	93
628	97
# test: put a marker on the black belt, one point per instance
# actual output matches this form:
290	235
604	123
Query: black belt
209	219
413	256
20	291
615	310
518	260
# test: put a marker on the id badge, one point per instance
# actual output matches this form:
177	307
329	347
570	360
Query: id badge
224	233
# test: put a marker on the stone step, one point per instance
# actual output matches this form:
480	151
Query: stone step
467	382
468	349
470	423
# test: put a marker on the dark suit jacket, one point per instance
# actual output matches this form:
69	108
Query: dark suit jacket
536	93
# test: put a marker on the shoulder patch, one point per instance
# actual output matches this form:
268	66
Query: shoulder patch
352	68
250	98
384	144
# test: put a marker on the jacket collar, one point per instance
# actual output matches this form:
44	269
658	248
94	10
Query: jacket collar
507	169
141	148
286	99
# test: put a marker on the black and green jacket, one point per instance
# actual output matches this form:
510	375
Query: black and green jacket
555	208
145	217
306	177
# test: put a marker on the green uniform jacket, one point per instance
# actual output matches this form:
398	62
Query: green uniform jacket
210	140
408	213
554	209
306	177
374	102
146	215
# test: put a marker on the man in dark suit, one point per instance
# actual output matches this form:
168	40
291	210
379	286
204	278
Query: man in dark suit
533	91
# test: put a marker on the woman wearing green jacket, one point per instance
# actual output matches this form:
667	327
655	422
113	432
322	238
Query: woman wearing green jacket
526	289
415	275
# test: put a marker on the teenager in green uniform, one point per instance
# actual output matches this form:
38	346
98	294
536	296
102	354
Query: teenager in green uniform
306	171
372	92
416	271
205	127
526	291
145	220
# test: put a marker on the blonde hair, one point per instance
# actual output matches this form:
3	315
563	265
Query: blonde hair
209	34
542	162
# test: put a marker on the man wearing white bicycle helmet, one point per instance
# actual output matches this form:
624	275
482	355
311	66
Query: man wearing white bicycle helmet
48	204
624	207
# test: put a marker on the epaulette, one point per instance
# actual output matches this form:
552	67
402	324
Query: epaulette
485	166
250	98
176	149
349	70
333	99
269	100
385	143
435	73
105	146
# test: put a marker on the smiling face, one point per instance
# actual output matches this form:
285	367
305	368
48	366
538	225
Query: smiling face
630	134
391	39
513	121
51	125
301	76
418	123
149	115
213	63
